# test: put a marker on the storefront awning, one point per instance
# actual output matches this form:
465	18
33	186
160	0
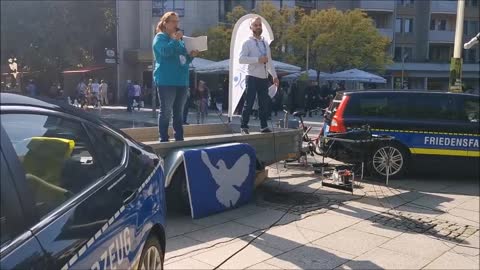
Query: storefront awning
84	70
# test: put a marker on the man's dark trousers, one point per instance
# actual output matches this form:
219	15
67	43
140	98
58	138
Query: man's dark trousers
255	87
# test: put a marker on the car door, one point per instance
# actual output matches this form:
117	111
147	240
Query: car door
19	249
469	107
78	198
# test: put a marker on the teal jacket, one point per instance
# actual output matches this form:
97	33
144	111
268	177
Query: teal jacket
171	61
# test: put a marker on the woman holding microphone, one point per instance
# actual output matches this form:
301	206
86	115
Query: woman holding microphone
171	74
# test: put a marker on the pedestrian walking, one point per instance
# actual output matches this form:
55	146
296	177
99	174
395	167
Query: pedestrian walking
171	74
137	93
103	92
95	87
201	101
130	94
31	88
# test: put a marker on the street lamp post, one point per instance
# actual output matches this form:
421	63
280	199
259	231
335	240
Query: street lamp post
455	83
403	68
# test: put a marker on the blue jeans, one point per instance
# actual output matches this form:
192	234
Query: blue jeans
255	86
172	100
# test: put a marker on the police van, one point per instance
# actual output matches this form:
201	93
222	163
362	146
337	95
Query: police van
426	126
75	192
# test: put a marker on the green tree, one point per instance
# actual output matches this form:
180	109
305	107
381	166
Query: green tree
50	36
219	36
338	40
280	20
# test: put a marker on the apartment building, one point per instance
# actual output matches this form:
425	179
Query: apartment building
422	34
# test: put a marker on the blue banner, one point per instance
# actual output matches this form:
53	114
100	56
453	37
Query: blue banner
219	177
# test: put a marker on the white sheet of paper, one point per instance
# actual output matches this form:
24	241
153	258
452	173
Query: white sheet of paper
196	43
272	90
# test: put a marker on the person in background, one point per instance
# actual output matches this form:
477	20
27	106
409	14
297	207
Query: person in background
201	101
171	74
31	89
95	86
130	94
137	93
103	92
82	93
186	107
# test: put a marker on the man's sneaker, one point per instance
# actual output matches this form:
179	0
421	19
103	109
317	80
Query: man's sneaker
265	130
245	131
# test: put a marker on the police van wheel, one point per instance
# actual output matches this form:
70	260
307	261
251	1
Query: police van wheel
152	255
388	154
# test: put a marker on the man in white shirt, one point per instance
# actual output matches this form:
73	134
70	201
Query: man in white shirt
257	55
96	92
104	92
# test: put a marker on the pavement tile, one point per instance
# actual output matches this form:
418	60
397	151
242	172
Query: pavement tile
471	204
267	218
310	257
418	245
326	223
351	211
351	241
263	266
378	229
188	263
288	237
441	202
380	258
243	211
418	210
452	260
221	233
251	255
461	216
180	225
212	220
181	246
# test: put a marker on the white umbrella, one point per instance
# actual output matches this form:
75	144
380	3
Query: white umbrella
312	75
222	67
200	62
355	75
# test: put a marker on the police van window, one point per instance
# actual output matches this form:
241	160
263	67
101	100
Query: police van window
433	107
111	149
56	155
471	109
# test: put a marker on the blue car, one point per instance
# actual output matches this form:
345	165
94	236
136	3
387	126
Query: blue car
75	192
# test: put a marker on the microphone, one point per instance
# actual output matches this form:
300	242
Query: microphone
179	30
472	42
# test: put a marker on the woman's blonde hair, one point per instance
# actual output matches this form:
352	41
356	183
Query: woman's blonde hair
164	20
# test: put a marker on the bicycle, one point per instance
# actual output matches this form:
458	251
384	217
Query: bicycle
312	142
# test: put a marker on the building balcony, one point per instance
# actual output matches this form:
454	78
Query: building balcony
386	32
443	7
377	5
441	36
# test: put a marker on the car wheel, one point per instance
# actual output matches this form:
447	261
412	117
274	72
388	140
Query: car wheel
152	255
389	156
177	193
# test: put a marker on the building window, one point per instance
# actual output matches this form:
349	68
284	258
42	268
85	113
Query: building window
398	25
408	25
405	3
406	52
438	24
160	7
471	3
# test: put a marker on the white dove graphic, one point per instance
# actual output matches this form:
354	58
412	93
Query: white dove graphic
227	179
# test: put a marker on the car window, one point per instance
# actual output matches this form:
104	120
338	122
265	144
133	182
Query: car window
56	155
11	216
471	109
433	107
110	148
